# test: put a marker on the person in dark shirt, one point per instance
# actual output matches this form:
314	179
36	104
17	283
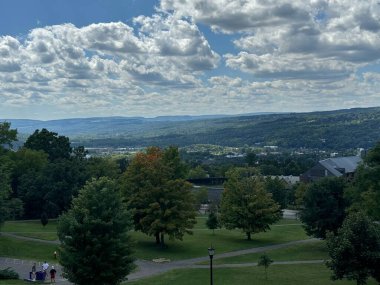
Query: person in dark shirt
52	274
34	272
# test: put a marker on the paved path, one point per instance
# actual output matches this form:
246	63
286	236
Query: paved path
23	267
150	268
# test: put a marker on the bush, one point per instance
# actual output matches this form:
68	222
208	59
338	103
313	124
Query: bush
8	273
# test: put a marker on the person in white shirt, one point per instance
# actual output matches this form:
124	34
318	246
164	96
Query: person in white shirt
45	267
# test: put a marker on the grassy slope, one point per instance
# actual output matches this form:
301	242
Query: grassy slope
32	228
223	241
192	245
301	274
10	247
311	251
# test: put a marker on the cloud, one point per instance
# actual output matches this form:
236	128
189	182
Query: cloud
292	39
114	61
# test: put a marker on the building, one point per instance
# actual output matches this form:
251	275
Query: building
332	167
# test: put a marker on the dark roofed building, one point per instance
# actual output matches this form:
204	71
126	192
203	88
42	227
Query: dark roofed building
333	167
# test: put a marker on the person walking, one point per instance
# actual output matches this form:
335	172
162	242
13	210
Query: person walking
52	274
34	272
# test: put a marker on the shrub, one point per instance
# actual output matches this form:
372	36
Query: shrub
8	273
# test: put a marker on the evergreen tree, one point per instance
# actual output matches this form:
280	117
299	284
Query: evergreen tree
44	219
95	244
212	222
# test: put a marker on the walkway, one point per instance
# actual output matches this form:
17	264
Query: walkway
149	268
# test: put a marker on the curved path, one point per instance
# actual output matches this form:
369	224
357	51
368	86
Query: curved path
149	268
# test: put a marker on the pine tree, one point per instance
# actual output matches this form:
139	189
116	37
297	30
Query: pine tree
95	244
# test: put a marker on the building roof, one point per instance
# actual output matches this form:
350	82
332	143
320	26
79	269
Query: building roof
336	164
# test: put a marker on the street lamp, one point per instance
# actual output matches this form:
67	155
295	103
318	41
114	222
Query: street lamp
211	252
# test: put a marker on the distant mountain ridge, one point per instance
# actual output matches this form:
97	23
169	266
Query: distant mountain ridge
104	126
329	130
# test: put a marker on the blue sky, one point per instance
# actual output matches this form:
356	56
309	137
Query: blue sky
84	58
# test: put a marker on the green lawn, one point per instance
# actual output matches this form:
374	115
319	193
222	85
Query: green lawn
32	228
310	251
192	245
223	241
11	247
301	274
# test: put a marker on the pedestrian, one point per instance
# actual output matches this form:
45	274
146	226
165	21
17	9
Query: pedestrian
34	272
55	254
45	267
52	274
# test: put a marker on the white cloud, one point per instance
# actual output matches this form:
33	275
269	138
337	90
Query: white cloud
102	64
288	39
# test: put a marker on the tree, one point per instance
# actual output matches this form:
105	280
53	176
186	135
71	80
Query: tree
245	203
265	261
278	189
251	158
5	188
197	172
299	193
324	207
355	250
95	245
365	191
44	219
7	135
161	200
201	197
9	207
57	147
212	222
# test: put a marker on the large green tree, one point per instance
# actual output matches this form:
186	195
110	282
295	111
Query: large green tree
324	206
5	188
246	204
161	200
7	136
95	244
355	250
365	191
57	147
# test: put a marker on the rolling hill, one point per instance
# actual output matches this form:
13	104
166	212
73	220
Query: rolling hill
335	130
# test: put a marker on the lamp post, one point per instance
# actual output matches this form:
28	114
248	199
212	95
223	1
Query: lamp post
211	252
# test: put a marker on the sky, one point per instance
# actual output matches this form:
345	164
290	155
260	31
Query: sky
91	58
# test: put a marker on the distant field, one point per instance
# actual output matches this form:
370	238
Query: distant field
301	274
